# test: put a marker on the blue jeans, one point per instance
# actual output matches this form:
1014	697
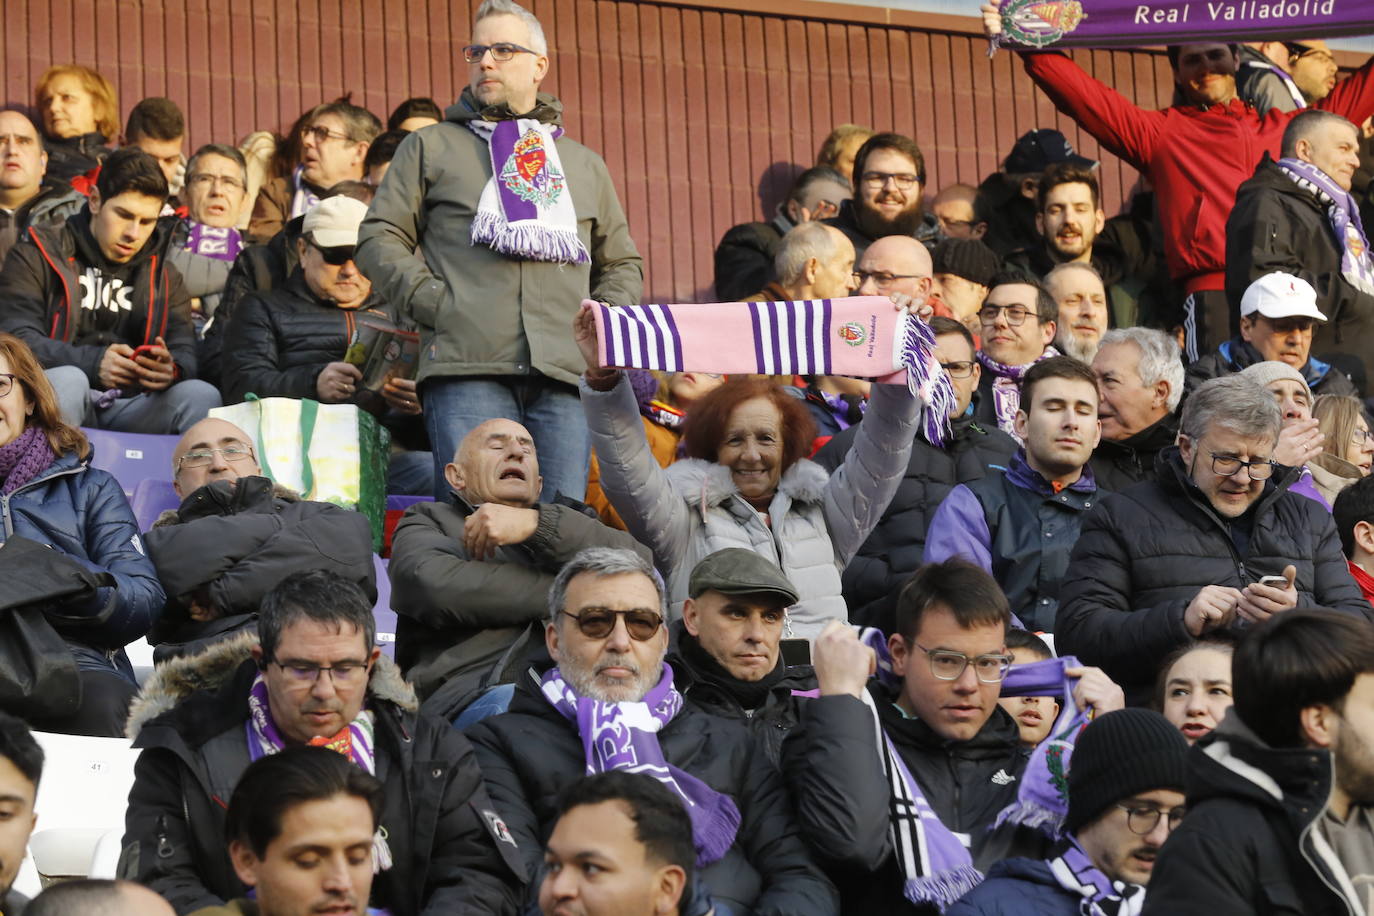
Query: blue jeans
410	474
171	411
551	411
494	702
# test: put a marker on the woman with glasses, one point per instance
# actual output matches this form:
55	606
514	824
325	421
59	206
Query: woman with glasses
1347	450
50	494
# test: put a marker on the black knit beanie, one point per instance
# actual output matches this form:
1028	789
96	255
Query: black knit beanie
1121	754
967	258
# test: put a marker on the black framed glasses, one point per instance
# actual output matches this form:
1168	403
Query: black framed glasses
1143	819
336	256
876	180
6	383
1016	315
201	457
500	52
1230	465
881	278
962	368
948	665
598	622
322	134
340	673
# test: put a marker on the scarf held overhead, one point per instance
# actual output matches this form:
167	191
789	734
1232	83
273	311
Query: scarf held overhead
1042	802
624	736
858	336
526	210
1357	264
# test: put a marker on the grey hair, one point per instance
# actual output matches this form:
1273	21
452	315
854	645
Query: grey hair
1304	125
801	244
1237	404
1160	359
219	149
1074	265
511	8
601	562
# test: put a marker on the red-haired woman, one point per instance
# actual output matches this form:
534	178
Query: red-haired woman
745	481
80	116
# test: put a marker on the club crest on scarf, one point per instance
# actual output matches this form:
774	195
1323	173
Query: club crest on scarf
1039	23
528	174
852	333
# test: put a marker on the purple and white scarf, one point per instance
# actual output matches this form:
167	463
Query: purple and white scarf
24	458
526	210
355	742
221	243
1006	388
1043	798
624	736
1357	264
1101	896
303	198
1293	91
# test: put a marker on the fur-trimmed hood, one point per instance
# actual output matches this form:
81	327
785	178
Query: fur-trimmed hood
209	671
698	480
173	516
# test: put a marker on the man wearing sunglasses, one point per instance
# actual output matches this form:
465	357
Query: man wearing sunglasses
312	676
235	536
1125	799
609	702
488	231
1218	540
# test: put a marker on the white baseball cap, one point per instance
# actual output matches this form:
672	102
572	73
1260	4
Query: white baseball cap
1280	295
334	222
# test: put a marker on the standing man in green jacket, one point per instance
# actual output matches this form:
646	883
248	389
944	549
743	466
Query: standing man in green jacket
489	229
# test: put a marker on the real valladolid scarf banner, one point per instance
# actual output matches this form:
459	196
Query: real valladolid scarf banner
1132	23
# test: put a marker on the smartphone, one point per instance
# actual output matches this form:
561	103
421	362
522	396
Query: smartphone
795	652
1274	581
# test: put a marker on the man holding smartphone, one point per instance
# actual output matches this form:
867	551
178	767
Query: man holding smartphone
105	314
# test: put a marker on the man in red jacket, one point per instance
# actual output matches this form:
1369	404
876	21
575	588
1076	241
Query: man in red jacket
1195	153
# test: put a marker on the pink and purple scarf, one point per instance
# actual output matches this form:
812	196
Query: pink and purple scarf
24	458
1043	799
858	336
526	210
624	736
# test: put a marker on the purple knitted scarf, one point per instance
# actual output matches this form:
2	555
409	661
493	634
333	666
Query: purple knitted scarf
1043	799
24	459
624	736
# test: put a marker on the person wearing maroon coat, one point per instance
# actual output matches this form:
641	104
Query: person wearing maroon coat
1196	153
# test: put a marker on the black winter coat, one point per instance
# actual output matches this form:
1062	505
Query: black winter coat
744	258
531	753
894	550
60	296
1241	851
1236	354
1278	226
443	833
840	792
1118	465
1143	554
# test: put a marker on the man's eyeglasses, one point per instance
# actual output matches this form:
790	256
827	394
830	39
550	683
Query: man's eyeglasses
948	665
598	622
1143	819
500	53
1230	465
959	369
881	278
201	457
1015	314
322	134
340	673
877	180
6	382
203	180
337	256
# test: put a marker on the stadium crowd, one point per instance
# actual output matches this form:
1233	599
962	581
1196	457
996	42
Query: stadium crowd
1088	630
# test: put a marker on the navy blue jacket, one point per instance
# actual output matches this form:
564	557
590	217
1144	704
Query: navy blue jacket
82	512
1018	887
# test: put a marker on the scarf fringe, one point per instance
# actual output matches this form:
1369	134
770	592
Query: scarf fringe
925	380
944	887
1033	815
528	240
722	822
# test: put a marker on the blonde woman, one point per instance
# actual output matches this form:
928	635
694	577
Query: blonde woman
1348	450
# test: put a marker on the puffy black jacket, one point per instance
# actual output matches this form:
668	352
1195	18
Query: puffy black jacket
1242	850
894	550
189	720
72	156
1277	225
230	543
840	791
1118	465
1018	887
61	297
1144	553
531	753
715	693
1234	355
744	258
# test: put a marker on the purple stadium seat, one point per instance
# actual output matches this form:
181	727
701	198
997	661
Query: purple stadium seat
395	502
131	457
151	498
